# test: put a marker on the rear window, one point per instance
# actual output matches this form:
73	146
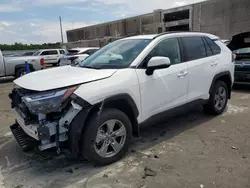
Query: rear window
242	54
195	48
242	51
214	47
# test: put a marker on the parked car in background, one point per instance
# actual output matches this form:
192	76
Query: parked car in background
75	53
15	66
226	41
50	56
240	45
27	54
95	108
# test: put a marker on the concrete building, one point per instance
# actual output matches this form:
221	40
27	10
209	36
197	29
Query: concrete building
224	18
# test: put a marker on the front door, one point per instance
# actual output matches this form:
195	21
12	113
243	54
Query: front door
166	88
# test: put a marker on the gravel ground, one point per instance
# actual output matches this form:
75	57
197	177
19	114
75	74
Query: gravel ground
190	150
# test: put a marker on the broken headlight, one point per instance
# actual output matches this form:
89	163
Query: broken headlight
46	102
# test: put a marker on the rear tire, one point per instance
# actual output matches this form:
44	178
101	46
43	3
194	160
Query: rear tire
100	143
218	99
20	72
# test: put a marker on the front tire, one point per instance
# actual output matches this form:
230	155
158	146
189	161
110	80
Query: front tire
218	99
106	138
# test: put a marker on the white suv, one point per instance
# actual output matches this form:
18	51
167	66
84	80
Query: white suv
95	108
50	56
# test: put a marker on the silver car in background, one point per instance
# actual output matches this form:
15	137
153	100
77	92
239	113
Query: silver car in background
77	53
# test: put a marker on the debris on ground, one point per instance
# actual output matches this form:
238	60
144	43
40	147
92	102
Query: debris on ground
156	157
222	121
201	186
233	147
213	131
148	172
105	176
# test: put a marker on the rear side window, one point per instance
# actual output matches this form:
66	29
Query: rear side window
52	52
194	47
45	53
214	47
62	51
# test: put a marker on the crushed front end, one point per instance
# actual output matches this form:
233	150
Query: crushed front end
43	118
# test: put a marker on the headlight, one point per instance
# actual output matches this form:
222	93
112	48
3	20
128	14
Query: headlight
47	102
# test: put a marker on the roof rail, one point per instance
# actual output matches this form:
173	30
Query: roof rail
169	32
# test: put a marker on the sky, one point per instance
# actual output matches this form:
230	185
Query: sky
37	21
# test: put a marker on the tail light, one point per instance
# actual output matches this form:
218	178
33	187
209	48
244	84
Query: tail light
42	62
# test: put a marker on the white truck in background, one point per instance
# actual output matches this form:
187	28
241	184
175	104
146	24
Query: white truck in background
15	66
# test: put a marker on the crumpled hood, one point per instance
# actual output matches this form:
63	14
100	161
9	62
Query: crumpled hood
60	77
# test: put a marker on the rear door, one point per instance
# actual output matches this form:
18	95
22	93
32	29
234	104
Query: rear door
45	55
202	66
53	56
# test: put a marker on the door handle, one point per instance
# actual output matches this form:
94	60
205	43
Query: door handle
182	74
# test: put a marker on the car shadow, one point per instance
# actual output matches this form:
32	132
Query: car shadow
62	171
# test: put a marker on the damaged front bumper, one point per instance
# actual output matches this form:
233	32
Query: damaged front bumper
42	131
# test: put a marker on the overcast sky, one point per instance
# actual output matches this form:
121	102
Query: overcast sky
36	21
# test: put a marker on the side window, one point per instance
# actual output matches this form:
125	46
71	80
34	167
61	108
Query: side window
62	51
194	47
215	48
168	48
208	49
45	53
53	52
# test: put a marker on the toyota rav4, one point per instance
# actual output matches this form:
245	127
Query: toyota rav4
95	108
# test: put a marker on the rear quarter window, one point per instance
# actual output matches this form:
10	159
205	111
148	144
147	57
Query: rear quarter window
214	47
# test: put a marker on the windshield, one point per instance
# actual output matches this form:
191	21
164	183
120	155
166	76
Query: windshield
118	54
36	53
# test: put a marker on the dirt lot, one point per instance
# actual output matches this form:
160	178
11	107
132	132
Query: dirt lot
191	150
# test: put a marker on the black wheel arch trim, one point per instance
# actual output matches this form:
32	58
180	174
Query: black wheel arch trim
219	75
128	99
76	129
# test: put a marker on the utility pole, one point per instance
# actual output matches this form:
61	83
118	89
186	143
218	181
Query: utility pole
60	19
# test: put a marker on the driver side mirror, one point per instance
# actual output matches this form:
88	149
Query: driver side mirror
157	62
